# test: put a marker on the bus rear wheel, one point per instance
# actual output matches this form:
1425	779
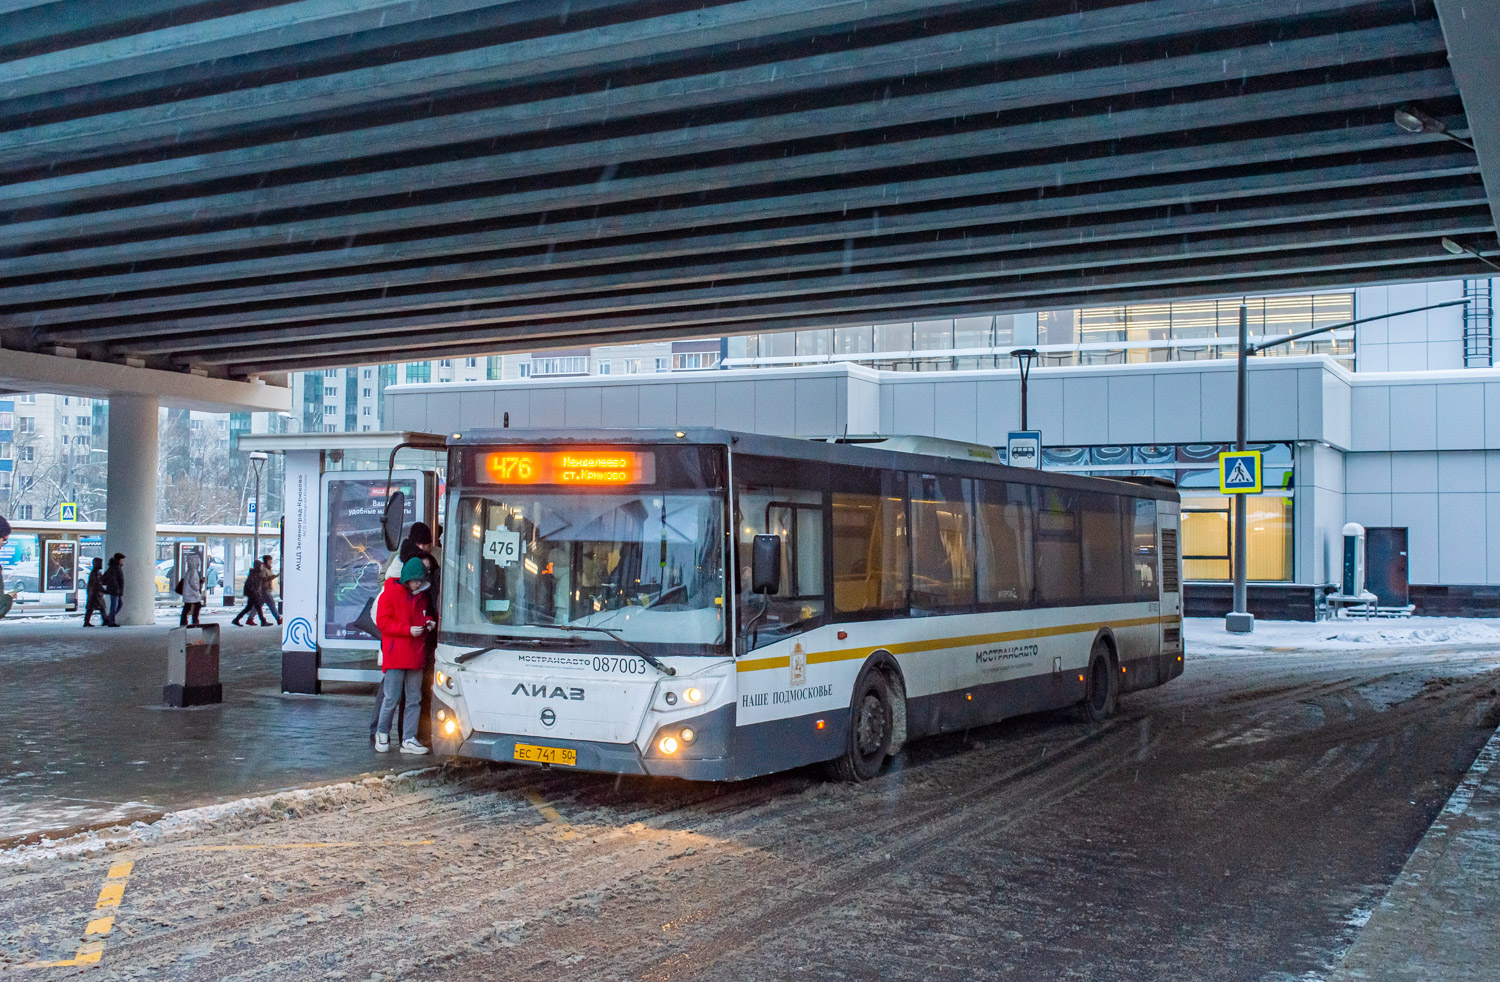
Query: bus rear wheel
1102	695
871	727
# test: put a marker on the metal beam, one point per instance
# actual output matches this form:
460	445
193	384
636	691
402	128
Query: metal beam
593	245
914	289
548	55
907	57
889	194
218	37
1439	269
1472	28
1362	218
671	137
588	189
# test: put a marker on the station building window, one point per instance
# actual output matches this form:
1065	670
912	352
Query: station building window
1207	529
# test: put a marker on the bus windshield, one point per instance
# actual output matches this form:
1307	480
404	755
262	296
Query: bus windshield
533	560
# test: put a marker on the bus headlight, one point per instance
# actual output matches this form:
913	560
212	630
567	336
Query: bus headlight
680	695
687	734
667	745
450	727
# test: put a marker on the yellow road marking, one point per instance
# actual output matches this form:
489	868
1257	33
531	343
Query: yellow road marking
549	813
308	845
914	647
110	895
91	951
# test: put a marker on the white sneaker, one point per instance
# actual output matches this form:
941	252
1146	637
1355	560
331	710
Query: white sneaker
411	746
382	743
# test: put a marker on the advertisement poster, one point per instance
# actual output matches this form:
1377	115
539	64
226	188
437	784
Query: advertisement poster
299	560
185	549
62	566
21	558
354	553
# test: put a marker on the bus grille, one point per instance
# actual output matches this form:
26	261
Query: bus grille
1169	574
1171	637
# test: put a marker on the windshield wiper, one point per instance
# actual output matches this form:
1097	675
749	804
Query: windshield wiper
649	659
540	642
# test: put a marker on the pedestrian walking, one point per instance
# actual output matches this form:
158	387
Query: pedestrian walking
401	614
6	599
251	610
113	582
268	590
93	594
192	587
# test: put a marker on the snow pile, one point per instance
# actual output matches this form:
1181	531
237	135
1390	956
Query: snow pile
1392	635
229	816
1206	637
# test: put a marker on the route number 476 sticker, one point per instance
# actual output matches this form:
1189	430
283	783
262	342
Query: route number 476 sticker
502	546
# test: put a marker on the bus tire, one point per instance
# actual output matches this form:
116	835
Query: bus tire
1102	693
871	727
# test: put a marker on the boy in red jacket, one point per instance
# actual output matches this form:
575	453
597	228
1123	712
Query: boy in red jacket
401	615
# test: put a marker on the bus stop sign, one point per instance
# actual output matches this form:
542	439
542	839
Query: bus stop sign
1023	448
1240	472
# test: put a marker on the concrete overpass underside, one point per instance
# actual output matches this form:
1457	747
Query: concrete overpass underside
241	188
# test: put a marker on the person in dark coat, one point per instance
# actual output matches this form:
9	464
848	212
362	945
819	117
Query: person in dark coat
253	585
268	590
6	599
94	593
113	582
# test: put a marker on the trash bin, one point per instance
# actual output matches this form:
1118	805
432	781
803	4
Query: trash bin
193	667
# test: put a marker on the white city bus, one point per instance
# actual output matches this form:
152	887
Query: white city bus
715	606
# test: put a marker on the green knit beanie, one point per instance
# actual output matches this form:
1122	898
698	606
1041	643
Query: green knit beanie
413	570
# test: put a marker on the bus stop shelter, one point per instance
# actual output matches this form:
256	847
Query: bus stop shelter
333	550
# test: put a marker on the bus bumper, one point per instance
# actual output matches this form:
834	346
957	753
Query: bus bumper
706	758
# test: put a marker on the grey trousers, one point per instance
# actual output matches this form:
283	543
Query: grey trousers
391	686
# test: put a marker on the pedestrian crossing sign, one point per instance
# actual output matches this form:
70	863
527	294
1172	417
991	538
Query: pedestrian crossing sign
1239	472
67	511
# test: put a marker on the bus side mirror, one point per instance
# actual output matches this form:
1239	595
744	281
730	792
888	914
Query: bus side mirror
765	565
392	520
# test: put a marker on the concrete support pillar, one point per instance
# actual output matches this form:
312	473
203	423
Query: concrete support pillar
130	514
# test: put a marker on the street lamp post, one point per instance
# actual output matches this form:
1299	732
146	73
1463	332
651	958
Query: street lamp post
1024	356
257	460
1460	249
1413	120
1240	620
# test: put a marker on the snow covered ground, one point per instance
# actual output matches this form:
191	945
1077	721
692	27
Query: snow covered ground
1206	637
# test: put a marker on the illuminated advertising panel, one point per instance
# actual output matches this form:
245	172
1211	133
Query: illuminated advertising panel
62	565
354	557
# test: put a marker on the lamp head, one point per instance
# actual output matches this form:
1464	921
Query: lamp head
1453	247
1412	120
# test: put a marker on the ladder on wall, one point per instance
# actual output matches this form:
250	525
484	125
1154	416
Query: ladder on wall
1479	324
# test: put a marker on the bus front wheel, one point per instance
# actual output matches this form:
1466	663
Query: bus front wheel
1102	696
871	727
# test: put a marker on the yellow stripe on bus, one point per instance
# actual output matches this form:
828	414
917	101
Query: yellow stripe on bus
914	647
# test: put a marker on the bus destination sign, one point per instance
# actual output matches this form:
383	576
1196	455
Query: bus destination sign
575	467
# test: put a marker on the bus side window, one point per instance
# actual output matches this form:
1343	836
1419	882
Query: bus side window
1103	548
870	550
1005	518
1059	553
796	516
1143	573
942	544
